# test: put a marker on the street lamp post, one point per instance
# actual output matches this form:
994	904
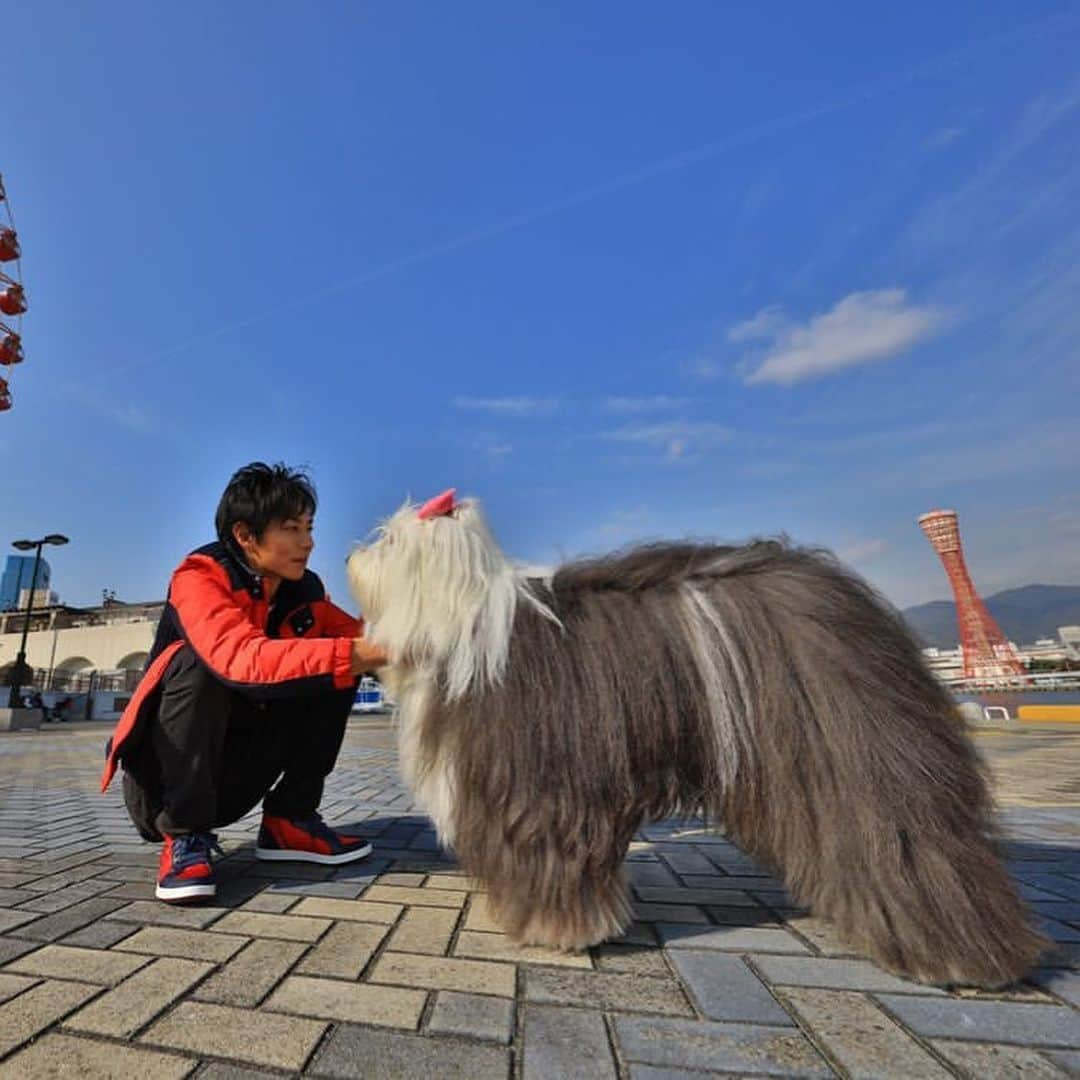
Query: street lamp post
20	660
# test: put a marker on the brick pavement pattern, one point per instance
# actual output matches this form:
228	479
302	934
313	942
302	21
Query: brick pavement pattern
393	967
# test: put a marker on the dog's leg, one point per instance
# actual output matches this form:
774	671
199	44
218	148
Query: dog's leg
865	790
546	893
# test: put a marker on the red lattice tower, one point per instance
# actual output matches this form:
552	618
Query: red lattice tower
987	653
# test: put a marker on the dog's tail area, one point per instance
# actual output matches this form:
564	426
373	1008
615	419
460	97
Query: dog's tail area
854	775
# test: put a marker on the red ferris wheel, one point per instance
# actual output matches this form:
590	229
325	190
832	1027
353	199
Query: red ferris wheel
12	298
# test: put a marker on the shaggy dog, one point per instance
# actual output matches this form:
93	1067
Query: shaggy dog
764	686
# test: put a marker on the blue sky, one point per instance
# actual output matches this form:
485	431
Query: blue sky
623	271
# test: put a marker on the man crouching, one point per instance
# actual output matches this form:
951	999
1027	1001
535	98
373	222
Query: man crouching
248	689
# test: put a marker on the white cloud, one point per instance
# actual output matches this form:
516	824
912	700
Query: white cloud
621	525
657	403
507	406
862	550
678	439
126	414
662	434
767	322
943	137
699	369
860	328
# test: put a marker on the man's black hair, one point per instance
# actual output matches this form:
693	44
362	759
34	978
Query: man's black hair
260	494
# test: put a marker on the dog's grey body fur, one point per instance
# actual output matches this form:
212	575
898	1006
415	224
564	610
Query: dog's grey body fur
763	686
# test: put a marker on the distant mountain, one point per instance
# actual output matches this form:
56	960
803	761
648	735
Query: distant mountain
1025	614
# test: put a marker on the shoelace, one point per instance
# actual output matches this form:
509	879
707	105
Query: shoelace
317	827
195	847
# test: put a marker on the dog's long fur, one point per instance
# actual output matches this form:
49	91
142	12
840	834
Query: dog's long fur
542	722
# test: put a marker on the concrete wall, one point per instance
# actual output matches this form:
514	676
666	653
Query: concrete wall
83	648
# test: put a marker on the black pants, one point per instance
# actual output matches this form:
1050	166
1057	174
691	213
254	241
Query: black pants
212	753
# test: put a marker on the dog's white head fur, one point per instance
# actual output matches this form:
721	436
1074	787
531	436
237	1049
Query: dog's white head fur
439	594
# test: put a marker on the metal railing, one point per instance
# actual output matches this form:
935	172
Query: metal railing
80	682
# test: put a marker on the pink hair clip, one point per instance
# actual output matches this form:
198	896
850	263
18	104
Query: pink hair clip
440	506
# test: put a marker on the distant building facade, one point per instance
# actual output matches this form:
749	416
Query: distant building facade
948	664
16	577
65	645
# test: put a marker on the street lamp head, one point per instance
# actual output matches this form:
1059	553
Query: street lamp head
29	545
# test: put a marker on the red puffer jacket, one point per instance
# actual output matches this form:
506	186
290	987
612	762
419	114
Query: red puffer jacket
216	605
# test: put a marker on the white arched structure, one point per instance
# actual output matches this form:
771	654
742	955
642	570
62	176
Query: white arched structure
74	664
121	646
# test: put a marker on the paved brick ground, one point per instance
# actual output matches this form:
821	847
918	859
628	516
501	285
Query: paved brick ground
394	968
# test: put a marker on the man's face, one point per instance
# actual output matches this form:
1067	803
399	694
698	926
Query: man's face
283	549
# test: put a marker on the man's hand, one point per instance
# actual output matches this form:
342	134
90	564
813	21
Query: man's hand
367	657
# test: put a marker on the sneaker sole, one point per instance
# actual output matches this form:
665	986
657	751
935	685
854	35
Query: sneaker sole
279	855
185	892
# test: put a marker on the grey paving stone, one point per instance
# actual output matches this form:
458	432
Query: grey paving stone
278	1041
654	874
218	1070
10	918
984	1061
724	988
638	934
132	890
988	1021
566	1044
1056	884
363	872
1059	931
71	1056
9	898
155	913
605	990
48	902
1061	983
64	879
41	1006
835	974
62	923
250	975
185	944
84	965
1068	1060
736	916
127	873
339	890
720	1047
860	1037
1065	910
686	860
384	1055
270	903
12	985
730	939
487	1018
727	897
652	1072
294	871
677	913
121	1011
353	1002
344	951
719	880
100	935
632	959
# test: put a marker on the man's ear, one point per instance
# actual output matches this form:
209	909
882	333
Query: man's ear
242	534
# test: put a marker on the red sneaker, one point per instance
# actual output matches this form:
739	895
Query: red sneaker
185	871
307	840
